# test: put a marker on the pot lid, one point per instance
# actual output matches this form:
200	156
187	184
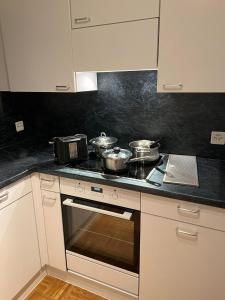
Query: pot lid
103	140
117	153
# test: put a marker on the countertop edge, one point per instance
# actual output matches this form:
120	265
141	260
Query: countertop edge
133	185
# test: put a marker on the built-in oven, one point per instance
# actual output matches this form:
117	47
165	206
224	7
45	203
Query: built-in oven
103	232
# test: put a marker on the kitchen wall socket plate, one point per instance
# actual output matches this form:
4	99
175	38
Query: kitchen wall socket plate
218	138
19	126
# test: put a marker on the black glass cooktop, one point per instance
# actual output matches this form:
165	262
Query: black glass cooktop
140	170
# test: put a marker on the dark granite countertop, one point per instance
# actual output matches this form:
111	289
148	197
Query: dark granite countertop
20	162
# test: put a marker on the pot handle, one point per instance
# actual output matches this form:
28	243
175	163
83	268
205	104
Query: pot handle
52	142
139	159
155	144
103	134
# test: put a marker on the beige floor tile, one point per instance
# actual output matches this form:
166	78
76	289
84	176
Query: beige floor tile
76	293
54	289
51	288
36	296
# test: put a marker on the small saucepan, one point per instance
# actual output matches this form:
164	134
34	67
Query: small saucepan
118	159
145	150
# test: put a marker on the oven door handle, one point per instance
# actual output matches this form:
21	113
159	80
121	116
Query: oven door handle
126	215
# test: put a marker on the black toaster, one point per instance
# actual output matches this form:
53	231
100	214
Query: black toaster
70	148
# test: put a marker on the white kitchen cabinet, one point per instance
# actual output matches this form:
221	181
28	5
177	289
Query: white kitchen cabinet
4	84
116	47
19	251
37	39
99	12
192	46
54	229
180	260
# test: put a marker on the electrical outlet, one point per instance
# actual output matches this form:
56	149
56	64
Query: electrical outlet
19	126
218	138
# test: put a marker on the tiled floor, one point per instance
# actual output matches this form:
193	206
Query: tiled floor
54	289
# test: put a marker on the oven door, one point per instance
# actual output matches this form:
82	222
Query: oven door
104	232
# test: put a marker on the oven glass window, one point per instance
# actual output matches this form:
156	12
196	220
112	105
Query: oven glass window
113	239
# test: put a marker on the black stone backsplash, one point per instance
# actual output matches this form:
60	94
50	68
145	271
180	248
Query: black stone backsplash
125	106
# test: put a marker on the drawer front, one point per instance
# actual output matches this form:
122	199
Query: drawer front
15	191
101	193
103	273
49	183
123	46
184	211
98	12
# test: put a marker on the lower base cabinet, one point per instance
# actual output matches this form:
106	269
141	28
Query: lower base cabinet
54	230
181	261
19	251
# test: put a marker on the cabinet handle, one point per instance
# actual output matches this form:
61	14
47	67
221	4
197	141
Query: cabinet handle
171	87
62	88
183	233
49	198
82	20
4	197
195	212
48	180
47	183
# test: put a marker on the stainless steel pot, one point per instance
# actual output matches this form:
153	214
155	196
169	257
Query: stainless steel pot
145	150
116	159
103	142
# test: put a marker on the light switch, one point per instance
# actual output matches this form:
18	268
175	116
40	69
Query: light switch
218	138
19	126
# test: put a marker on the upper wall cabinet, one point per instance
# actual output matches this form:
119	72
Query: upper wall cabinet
4	86
116	35
37	39
98	12
116	47
192	46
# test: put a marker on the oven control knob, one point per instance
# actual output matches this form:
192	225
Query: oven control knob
115	194
79	188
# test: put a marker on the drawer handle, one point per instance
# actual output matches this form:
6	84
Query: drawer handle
49	198
195	212
47	182
4	197
185	234
178	86
82	20
62	88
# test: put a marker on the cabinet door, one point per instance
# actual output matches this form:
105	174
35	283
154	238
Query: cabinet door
37	38
54	229
180	261
4	85
123	46
97	12
19	251
192	46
